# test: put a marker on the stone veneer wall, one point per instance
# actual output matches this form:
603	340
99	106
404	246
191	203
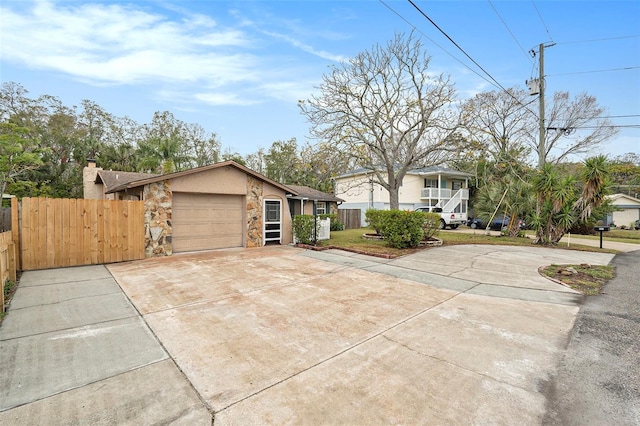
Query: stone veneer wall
158	200
254	212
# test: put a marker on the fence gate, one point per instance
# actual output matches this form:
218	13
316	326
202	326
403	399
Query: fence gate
60	232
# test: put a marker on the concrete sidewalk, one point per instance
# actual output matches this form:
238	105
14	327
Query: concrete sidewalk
73	350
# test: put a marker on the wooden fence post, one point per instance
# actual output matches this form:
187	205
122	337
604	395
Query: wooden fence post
15	231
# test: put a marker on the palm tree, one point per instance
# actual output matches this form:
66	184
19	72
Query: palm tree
161	155
595	175
559	206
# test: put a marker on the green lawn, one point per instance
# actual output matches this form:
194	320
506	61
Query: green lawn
617	235
352	239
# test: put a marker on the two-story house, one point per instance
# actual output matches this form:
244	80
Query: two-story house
427	187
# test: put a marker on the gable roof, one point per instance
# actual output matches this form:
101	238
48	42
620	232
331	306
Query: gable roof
168	176
112	179
430	170
314	194
623	197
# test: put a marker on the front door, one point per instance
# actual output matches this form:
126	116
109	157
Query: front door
272	221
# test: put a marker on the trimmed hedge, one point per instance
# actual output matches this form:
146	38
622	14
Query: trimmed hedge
303	228
401	229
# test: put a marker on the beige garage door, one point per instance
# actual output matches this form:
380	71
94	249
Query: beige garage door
206	221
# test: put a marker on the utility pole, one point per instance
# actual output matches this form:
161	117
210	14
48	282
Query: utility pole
538	87
541	142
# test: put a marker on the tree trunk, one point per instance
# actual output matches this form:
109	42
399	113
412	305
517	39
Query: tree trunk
394	204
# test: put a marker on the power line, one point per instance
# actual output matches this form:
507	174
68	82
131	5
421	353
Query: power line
620	116
602	117
599	39
434	42
509	30
594	71
617	126
456	45
542	20
470	58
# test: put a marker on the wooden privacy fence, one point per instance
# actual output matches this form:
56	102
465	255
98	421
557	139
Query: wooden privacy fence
7	262
60	232
350	218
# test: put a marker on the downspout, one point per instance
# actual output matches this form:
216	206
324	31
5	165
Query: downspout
371	192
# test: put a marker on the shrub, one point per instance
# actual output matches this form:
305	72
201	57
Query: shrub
374	219
431	225
303	228
584	227
402	229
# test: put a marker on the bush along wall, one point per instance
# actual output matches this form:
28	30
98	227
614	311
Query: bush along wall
303	229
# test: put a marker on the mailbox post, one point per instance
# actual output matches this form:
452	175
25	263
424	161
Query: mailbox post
601	229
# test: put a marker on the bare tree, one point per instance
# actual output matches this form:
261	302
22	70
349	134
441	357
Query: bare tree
387	111
575	126
507	129
500	123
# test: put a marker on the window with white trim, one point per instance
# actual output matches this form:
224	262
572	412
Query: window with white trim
321	207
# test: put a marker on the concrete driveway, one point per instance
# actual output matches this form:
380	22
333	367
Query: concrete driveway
464	334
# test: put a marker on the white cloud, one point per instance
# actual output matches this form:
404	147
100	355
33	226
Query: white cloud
219	99
305	47
169	50
121	45
289	91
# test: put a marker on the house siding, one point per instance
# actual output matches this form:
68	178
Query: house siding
630	210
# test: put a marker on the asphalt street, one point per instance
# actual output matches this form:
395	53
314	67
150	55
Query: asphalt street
598	381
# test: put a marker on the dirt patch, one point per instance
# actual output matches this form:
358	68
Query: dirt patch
9	289
587	279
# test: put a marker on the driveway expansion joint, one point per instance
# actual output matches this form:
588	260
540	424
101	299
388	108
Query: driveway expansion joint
474	372
70	328
336	355
58	302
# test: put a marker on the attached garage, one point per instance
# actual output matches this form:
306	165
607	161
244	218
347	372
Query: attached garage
207	221
222	205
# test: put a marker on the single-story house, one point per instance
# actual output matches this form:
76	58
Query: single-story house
98	183
221	205
309	199
627	210
434	186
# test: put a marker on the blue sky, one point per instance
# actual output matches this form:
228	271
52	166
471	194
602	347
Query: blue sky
239	68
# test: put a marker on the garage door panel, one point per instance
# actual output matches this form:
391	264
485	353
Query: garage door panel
207	221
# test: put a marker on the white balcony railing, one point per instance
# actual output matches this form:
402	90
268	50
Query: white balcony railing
435	193
443	194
